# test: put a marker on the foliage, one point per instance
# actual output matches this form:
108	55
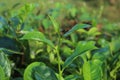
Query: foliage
34	46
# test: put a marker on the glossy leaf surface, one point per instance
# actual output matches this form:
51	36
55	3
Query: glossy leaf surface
39	71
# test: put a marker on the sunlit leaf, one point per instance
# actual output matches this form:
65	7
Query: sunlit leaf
93	32
55	24
38	36
73	12
2	74
113	73
91	71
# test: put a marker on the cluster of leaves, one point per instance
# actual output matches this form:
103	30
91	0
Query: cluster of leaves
29	51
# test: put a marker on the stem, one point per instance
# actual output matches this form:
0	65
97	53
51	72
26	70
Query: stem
58	56
59	65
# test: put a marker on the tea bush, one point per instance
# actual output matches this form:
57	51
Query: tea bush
48	46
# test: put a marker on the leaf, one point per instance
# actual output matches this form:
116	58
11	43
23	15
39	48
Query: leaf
39	71
93	32
9	43
15	5
46	23
38	36
27	8
3	22
14	22
55	24
72	77
114	71
9	52
3	25
115	44
92	71
76	27
5	64
101	54
73	12
81	48
2	74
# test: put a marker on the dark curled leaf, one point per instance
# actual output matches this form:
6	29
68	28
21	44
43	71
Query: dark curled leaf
76	27
10	45
15	5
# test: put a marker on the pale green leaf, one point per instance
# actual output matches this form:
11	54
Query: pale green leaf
92	71
2	74
55	24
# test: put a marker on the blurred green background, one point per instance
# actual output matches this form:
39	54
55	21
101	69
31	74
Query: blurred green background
111	8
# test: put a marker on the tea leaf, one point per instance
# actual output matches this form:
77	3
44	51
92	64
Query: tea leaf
46	23
38	36
101	54
93	32
81	48
2	74
9	45
72	77
76	27
115	70
5	64
55	24
91	71
39	71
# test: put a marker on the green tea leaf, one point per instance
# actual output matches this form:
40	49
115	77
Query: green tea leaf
81	48
73	12
55	24
2	74
5	64
9	45
72	77
46	23
27	8
101	54
38	36
91	71
93	32
39	71
113	73
115	44
76	27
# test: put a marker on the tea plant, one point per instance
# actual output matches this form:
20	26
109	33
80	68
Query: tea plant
30	52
